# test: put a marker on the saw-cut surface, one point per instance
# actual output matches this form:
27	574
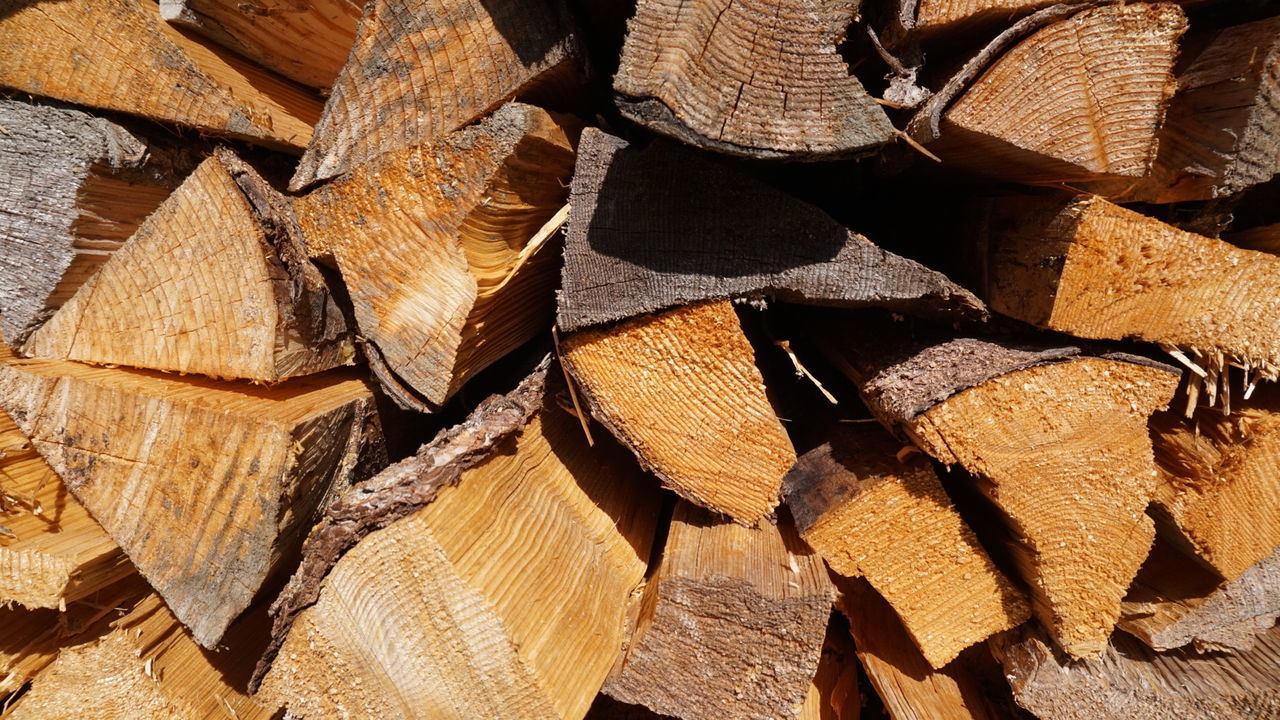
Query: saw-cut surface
51	551
1131	680
658	226
873	512
305	41
936	18
1079	99
213	282
434	245
204	485
757	78
731	625
682	390
74	187
120	55
421	69
505	596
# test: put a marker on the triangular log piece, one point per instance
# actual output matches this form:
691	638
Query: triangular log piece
834	693
505	595
909	688
1131	680
148	668
307	42
206	486
682	390
1080	99
1085	266
750	604
945	20
1055	439
120	55
875	509
438	247
213	282
421	69
758	78
1173	603
51	552
658	226
74	187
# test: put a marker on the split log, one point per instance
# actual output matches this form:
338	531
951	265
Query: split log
497	586
758	78
657	381
1057	441
138	449
1264	238
148	668
119	55
931	20
307	42
833	692
438	247
213	282
872	510
750	604
51	552
74	186
1096	270
421	69
1081	99
636	210
1132	681
1173	603
908	686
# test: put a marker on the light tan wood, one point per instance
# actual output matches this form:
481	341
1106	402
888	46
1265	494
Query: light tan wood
952	18
205	485
1080	99
307	42
503	597
682	390
213	282
731	624
420	69
436	245
1062	450
875	509
119	55
834	693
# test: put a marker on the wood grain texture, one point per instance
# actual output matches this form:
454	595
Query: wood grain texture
204	485
215	281
834	693
753	78
682	390
951	19
870	511
750	604
434	244
636	212
305	41
74	186
504	596
420	69
119	55
1077	100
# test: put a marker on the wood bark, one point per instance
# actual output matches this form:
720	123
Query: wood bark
754	78
504	595
657	380
751	604
307	42
215	281
138	449
119	55
75	186
436	242
873	512
634	212
420	69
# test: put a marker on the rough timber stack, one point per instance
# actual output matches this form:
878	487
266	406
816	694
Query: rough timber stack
695	359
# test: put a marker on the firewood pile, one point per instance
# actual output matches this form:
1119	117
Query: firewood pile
697	359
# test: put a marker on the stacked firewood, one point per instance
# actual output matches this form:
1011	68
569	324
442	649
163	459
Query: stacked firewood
695	359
